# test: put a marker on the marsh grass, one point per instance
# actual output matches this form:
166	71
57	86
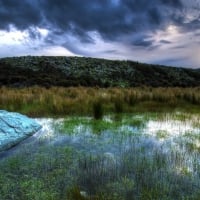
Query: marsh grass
96	126
109	123
138	176
97	110
118	105
36	175
126	166
59	101
162	134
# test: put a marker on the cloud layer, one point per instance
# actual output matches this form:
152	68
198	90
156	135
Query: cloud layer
124	29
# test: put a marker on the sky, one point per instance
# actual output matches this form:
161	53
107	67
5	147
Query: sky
165	32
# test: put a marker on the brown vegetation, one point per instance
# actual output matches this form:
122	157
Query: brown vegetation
39	101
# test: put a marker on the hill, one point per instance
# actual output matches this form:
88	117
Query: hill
74	71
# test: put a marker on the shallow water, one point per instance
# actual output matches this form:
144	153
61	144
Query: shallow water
154	133
163	150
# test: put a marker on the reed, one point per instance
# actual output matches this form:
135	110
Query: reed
39	101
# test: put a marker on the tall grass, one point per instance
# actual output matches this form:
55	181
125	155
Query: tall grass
141	173
97	110
38	101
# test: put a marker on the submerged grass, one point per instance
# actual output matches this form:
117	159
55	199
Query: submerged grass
108	123
97	126
126	167
59	101
37	175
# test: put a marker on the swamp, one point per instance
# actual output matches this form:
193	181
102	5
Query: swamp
118	156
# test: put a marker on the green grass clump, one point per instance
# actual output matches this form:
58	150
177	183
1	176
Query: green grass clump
74	124
162	134
112	123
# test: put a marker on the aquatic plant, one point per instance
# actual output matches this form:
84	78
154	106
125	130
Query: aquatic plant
119	163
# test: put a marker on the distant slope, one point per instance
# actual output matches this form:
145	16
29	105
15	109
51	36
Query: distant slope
74	71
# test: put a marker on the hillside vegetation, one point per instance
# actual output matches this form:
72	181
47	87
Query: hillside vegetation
80	71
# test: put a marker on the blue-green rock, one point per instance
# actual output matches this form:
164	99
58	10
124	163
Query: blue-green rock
14	128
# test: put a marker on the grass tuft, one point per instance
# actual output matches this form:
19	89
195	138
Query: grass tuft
97	110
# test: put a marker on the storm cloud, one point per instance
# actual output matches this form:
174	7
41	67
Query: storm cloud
110	18
75	23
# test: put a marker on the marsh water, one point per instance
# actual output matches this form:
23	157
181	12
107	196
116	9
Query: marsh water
133	156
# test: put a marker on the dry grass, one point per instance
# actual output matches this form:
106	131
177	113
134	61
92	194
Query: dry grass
38	101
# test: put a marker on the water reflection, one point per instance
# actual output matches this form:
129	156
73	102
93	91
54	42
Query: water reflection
123	154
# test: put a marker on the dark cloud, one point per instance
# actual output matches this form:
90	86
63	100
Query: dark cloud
180	47
141	40
173	3
74	49
113	51
128	22
109	19
165	42
143	43
21	14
